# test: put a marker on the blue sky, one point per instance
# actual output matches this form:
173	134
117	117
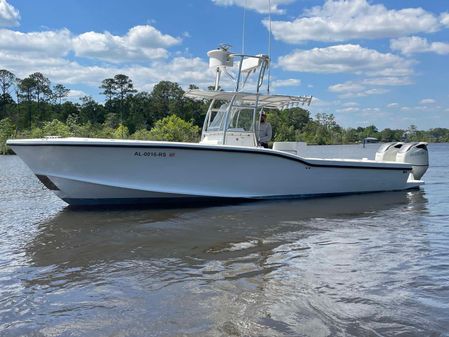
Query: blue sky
367	62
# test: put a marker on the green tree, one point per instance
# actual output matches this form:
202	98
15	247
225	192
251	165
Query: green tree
56	128
172	128
7	129
350	135
90	111
142	134
121	132
62	112
140	112
411	133
108	87
438	135
323	130
370	131
41	87
288	124
166	98
5	101
35	87
78	129
124	86
164	111
60	92
119	88
194	110
111	120
388	135
27	94
7	80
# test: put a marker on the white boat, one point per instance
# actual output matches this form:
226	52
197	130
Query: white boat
227	164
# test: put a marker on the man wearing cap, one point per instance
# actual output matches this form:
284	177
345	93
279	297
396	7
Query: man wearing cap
265	131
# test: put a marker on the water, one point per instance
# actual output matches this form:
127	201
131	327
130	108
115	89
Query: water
365	265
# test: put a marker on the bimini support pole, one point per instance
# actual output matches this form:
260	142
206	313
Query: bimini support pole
217	78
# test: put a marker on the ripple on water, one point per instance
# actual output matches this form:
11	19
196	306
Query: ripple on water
368	265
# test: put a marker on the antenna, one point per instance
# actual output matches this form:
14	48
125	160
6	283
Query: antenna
269	46
243	28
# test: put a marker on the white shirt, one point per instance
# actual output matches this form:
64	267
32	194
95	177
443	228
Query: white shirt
265	132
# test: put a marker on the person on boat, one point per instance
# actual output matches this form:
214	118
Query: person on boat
265	131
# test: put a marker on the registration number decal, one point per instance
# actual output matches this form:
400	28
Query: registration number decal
154	154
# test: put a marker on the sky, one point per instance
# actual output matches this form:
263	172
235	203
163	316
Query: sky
365	61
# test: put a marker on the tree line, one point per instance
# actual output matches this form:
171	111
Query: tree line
32	107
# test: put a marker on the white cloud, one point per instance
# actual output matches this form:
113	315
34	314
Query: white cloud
355	89
426	101
182	70
60	70
415	44
367	87
388	81
339	20
141	43
260	6
9	16
444	19
48	51
348	109
48	43
369	109
393	105
320	103
350	104
374	91
347	87
347	58
75	94
291	82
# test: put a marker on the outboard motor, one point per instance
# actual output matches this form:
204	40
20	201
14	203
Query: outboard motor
417	155
388	151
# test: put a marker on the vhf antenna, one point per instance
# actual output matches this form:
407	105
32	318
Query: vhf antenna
243	28
269	46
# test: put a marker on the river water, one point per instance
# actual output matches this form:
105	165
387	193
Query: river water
363	265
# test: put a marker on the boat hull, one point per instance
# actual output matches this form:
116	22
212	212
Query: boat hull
104	172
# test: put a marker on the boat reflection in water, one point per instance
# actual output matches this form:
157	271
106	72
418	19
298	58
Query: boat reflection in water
302	267
85	237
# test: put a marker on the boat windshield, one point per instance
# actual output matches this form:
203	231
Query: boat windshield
240	119
219	118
